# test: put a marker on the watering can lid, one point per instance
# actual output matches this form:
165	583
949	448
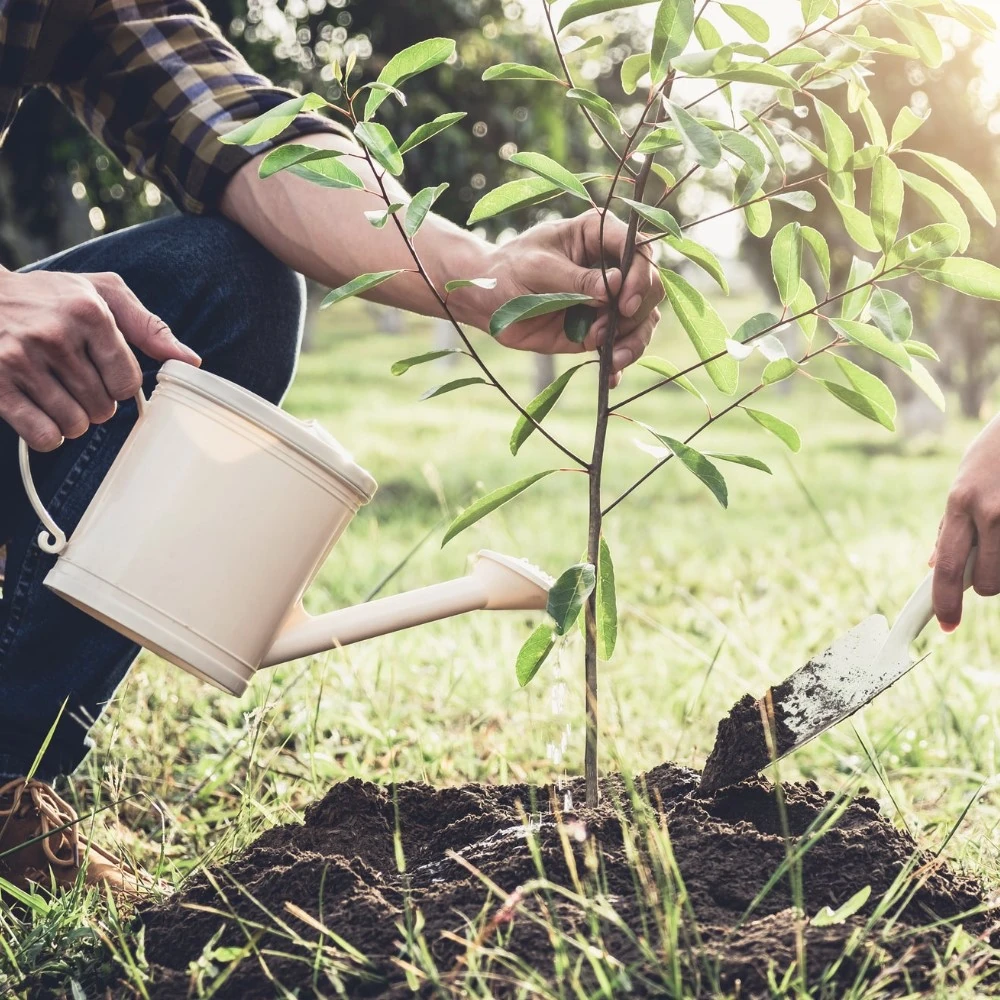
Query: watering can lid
305	436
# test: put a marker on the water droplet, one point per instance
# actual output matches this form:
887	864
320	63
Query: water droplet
801	111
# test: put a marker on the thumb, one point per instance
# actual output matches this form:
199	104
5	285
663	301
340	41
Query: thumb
562	275
141	328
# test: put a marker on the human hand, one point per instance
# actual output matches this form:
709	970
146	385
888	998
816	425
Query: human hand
972	517
65	359
565	256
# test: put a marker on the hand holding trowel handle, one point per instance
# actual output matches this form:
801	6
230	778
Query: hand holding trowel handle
971	517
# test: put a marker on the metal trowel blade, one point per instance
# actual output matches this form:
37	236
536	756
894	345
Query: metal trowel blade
828	689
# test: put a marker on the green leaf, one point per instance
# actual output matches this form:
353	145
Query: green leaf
943	203
661	137
700	142
701	256
781	429
865	157
671	32
272	123
858	226
634	68
578	321
839	141
707	34
598	106
907	122
797	55
918	350
826	916
529	306
358	286
963	182
580	9
607	604
758	218
536	648
778	371
512	196
874	124
700	466
751	177
865	335
766	136
404	365
891	313
546	167
966	275
886	202
378	218
458	383
457	283
568	593
406	64
380	143
926	244
669	370
760	73
705	329
419	206
919	33
756	324
924	381
858	403
704	63
519	71
540	406
752	23
291	153
868	385
478	509
311	165
786	261
812	9
384	87
749	461
820	250
659	218
430	129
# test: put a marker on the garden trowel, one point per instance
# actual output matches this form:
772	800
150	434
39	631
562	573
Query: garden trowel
860	665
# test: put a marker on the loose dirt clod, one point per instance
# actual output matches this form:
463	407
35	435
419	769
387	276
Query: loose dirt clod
340	870
741	744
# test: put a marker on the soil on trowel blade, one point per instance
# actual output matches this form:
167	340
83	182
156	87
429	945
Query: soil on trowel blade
741	742
340	870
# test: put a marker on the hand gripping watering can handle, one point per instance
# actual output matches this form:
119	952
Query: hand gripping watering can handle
53	539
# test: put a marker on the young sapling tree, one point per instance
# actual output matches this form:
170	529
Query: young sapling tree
710	101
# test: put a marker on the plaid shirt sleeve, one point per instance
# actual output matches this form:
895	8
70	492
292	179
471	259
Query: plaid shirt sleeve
157	83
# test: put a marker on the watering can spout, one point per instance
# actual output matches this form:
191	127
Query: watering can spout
496	583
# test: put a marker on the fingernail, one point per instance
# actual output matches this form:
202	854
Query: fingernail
948	627
622	358
632	306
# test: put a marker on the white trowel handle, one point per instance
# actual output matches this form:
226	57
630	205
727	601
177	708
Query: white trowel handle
919	609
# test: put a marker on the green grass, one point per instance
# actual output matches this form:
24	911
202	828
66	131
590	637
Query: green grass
713	603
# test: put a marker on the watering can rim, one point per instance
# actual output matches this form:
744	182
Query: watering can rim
306	436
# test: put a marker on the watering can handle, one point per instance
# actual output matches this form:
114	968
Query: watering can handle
53	539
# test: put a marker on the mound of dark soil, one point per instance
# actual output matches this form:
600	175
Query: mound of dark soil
341	869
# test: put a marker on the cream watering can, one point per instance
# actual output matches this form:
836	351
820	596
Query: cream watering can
212	522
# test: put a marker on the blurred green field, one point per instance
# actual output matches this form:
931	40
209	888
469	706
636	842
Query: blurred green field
713	603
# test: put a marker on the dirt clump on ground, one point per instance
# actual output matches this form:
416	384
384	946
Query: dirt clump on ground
741	742
339	871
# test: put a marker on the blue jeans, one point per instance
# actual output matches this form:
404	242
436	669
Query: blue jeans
241	309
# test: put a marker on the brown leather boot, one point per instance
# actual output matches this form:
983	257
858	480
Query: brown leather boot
40	842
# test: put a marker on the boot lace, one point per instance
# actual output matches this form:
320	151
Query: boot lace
57	819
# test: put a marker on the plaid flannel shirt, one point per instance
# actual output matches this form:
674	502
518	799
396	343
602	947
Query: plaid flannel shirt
154	80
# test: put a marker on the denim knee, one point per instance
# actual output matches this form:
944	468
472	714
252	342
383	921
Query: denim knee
267	300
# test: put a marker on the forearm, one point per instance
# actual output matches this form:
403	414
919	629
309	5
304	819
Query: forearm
324	234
